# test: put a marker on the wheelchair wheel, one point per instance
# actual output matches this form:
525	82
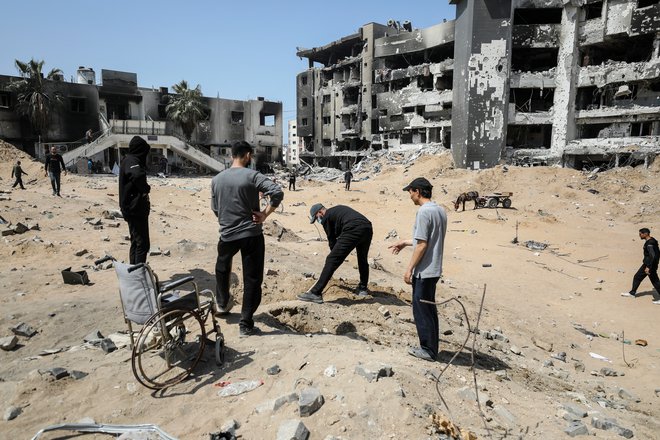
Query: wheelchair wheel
168	348
220	350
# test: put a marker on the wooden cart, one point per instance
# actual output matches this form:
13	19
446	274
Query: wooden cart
495	199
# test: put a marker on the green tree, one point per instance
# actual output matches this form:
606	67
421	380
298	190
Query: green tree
187	107
34	99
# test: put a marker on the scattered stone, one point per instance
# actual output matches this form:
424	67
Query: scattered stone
57	372
579	366
230	427
273	370
501	375
107	345
7	232
372	373
607	371
384	311
561	356
310	401
12	412
496	345
80	252
292	430
548	363
77	375
94	337
627	395
515	350
8	343
504	415
495	335
400	392
311	275
575	410
272	273
22	329
657	392
107	265
392	234
576	428
155	252
469	394
167	253
331	371
608	424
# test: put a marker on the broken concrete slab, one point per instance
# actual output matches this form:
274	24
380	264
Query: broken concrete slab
292	430
607	371
108	346
373	372
22	329
575	410
609	424
469	394
505	415
95	337
627	395
56	372
77	375
8	343
575	429
310	401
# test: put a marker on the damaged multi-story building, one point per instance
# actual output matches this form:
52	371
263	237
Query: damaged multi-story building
574	82
117	108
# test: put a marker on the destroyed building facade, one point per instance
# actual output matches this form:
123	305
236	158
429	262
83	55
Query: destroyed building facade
574	82
118	108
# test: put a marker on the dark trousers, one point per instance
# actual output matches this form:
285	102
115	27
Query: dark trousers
348	184
426	315
653	276
138	229
292	183
55	182
358	239
252	250
19	181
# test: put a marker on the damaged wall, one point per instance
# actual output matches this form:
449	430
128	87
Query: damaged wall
481	54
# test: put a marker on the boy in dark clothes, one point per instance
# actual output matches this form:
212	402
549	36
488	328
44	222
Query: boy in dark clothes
18	172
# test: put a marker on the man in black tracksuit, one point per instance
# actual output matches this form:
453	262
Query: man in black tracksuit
346	229
54	167
649	266
134	198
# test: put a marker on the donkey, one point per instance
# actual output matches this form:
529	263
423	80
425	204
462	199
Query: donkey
466	197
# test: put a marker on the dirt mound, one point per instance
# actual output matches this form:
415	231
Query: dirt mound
9	153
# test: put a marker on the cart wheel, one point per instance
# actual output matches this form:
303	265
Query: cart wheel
168	348
506	203
220	350
492	202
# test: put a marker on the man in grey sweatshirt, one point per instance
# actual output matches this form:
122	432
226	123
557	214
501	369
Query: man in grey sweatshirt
235	201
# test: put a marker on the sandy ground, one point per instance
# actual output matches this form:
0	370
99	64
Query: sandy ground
593	251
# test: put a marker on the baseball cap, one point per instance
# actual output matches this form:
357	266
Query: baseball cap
313	211
419	183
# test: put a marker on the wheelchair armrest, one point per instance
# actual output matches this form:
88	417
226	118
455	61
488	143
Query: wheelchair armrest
175	284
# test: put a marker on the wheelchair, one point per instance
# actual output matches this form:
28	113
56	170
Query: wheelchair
173	333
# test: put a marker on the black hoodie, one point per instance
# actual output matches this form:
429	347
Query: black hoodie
133	187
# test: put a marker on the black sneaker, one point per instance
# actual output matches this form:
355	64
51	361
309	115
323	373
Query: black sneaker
244	332
311	297
223	311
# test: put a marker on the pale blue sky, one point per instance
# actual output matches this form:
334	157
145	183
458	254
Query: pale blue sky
239	50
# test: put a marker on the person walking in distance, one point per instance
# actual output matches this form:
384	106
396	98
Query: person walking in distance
649	267
17	172
134	198
54	167
348	176
346	230
235	201
292	180
425	267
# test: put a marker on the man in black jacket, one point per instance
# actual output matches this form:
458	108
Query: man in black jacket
346	229
54	167
18	172
134	198
649	266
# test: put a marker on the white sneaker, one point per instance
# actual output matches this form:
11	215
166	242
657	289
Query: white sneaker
657	302
223	311
628	294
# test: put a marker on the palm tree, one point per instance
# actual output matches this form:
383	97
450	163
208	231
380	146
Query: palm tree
187	107
33	99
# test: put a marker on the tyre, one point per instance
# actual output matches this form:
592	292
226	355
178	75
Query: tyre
492	202
220	350
506	203
168	348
